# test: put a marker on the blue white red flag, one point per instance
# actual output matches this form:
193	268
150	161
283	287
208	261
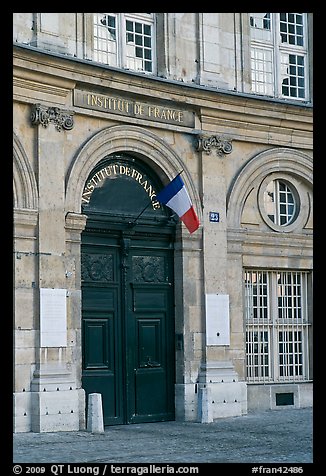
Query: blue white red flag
176	197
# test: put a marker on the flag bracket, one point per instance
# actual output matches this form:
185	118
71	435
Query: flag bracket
132	223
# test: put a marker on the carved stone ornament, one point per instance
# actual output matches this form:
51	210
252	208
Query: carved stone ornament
223	145
61	118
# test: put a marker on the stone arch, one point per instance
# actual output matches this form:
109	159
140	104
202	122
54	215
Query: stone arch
291	161
25	193
128	139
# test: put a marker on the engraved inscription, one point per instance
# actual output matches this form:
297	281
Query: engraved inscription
129	107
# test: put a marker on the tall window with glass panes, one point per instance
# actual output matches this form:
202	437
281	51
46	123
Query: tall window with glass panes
277	325
277	301
279	55
125	40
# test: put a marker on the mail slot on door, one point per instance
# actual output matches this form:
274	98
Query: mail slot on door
217	319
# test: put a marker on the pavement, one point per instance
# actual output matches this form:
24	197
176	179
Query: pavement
278	436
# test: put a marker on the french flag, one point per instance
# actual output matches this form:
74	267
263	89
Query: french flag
176	197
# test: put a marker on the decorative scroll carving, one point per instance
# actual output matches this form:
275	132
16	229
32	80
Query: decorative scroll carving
223	145
96	267
148	269
61	118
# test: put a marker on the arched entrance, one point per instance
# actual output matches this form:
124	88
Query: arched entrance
128	293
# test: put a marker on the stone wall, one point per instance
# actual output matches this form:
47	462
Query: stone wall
226	152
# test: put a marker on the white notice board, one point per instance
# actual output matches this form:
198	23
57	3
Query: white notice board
217	319
53	317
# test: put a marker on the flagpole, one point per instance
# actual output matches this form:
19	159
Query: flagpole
134	221
179	174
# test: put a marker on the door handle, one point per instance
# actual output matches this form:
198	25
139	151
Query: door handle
151	364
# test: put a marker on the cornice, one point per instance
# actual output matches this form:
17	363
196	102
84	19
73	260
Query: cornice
90	73
263	238
242	116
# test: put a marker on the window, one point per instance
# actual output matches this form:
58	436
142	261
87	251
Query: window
279	202
276	313
279	55
283	202
124	40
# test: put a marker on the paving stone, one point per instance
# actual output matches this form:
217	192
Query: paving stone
280	436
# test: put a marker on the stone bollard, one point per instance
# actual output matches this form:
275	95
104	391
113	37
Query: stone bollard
204	405
95	422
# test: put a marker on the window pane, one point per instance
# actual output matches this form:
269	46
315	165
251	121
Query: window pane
130	38
295	71
129	25
105	33
147	30
262	71
138	28
139	52
147	41
291	28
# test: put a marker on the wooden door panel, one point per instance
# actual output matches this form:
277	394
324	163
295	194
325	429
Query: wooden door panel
151	330
97	340
106	385
149	343
97	299
150	376
102	368
151	395
148	299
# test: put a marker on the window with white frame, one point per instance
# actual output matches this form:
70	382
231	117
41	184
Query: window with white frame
124	40
280	202
277	325
279	55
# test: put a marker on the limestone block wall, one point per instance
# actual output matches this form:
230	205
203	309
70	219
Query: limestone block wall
263	397
25	303
25	278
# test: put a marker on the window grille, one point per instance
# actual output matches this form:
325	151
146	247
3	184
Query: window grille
124	40
276	326
279	55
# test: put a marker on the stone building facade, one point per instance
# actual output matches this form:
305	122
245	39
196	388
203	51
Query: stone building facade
112	293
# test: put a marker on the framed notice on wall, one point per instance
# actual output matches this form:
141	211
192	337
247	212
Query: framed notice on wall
53	317
217	319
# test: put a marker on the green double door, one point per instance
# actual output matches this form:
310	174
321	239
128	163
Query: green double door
128	324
